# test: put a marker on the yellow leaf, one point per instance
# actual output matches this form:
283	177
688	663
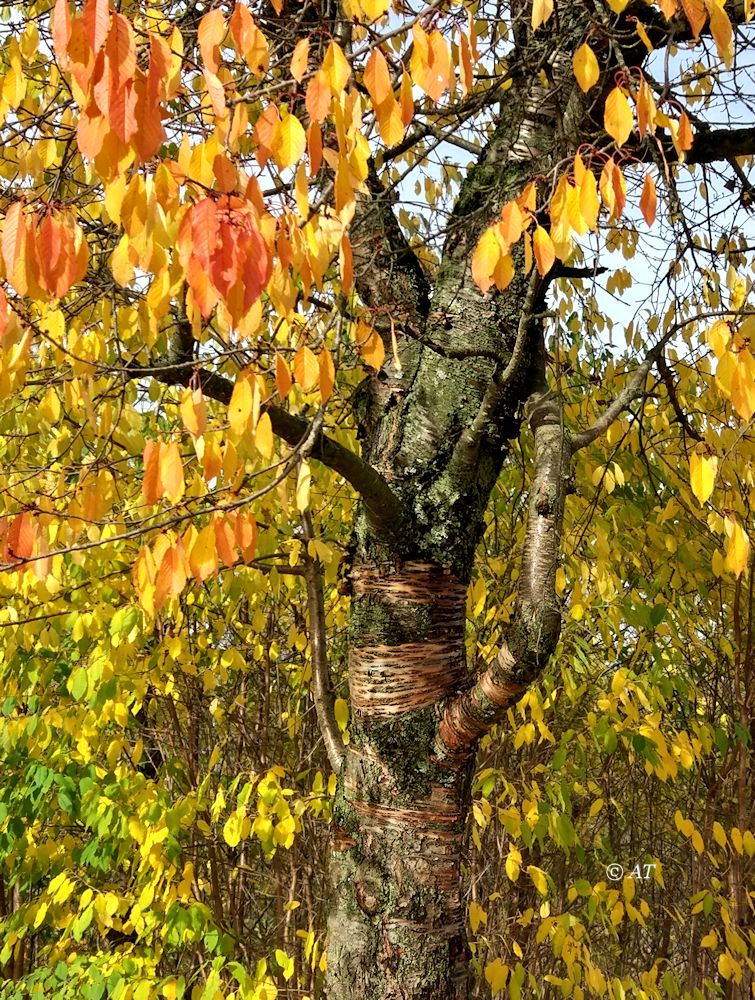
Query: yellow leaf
303	480
586	69
710	940
486	256
193	412
541	11
702	475
737	547
341	713
203	557
589	202
618	117
719	834
306	368
289	141
496	974
718	336
263	436
370	345
232	829
538	878
513	864
477	916
240	406
336	68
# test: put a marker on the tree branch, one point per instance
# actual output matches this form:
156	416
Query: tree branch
384	510
721	144
536	624
322	690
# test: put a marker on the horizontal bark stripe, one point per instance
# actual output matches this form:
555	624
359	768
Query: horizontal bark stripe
413	583
434	824
388	680
446	930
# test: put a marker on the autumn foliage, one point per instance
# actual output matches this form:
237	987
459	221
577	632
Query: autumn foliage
197	330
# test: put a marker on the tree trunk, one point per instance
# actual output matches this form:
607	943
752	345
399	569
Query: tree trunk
397	924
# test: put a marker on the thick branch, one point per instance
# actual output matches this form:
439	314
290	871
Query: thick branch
322	690
721	144
536	623
382	506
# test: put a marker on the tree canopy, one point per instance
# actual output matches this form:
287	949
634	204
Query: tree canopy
376	420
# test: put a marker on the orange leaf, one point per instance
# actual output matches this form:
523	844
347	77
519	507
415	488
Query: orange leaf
306	368
406	100
370	345
171	576
21	535
511	225
282	376
151	486
95	20
542	246
225	539
61	31
648	200
318	97
246	535
120	50
684	135
327	374
249	40
618	118
345	263
466	73
377	79
171	472
314	147
695	14
299	59
14	247
210	34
